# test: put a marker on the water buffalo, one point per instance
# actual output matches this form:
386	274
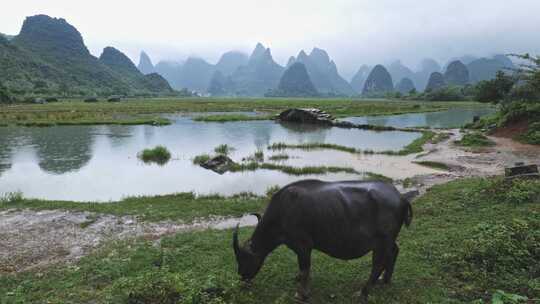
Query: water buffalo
345	220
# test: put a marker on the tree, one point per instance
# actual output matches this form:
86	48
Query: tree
495	90
5	96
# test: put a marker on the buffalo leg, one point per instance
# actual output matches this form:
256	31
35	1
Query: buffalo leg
304	263
377	268
391	263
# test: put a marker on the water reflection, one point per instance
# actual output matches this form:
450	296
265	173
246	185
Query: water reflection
453	118
88	163
63	149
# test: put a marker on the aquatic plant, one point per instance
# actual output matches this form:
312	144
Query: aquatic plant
223	149
159	155
200	159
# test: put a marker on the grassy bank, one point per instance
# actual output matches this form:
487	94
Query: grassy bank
468	239
184	207
75	112
414	147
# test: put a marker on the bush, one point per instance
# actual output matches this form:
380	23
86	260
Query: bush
450	93
533	134
494	90
474	139
159	155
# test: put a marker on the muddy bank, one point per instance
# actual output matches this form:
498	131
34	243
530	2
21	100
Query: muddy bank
33	239
464	162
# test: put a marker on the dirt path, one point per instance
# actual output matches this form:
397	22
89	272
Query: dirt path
30	239
480	162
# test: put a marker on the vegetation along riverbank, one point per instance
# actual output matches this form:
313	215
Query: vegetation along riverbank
143	111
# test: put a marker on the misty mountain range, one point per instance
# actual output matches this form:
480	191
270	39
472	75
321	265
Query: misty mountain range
49	56
237	74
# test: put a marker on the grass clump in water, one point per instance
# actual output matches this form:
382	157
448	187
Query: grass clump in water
223	149
159	155
475	139
279	157
311	146
201	159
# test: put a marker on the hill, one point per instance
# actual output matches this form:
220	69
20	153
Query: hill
378	82
295	82
49	57
323	72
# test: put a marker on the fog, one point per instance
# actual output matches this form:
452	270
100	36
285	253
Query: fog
353	32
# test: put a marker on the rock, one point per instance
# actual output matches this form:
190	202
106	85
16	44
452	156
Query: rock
114	99
145	64
520	170
306	116
219	164
91	99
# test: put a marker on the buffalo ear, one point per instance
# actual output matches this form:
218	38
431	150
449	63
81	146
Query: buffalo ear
258	216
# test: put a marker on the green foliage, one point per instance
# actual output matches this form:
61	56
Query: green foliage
495	90
11	198
474	139
279	157
532	136
272	190
501	297
159	155
446	93
224	149
201	159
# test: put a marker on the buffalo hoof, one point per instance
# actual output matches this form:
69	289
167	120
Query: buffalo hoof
361	296
299	298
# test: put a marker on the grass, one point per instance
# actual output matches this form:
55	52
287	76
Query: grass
201	159
223	149
279	157
159	155
258	156
232	117
186	207
474	140
135	111
309	170
200	266
415	146
433	164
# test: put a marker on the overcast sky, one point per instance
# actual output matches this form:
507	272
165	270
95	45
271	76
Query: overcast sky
354	32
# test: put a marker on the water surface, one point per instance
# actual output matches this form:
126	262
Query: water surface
452	118
99	163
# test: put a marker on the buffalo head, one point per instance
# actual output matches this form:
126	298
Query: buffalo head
249	262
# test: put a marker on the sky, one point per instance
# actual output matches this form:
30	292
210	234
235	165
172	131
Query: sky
354	32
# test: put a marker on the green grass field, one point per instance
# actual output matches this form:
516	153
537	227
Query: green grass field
144	111
469	238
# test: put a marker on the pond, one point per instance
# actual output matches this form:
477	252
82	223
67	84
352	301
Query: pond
452	118
99	163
